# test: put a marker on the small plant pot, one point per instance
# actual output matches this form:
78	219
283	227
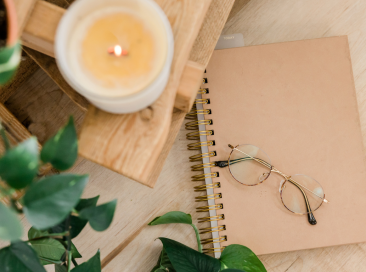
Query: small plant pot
10	49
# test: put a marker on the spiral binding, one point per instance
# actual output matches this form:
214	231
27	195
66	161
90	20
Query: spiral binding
195	135
199	167
201	156
195	124
214	240
212	229
207	186
198	145
209	208
202	177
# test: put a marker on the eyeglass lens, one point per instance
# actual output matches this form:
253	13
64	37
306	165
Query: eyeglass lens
250	166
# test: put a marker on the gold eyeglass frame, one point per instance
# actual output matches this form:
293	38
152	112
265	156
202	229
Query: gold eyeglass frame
271	168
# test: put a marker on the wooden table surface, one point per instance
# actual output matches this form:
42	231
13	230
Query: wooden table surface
129	244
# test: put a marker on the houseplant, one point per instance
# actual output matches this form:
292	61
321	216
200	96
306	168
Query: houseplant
176	257
52	204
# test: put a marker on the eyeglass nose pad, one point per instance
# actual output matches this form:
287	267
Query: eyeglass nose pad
263	176
282	182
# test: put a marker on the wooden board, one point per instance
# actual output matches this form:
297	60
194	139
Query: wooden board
16	133
40	30
48	64
26	69
131	143
200	55
24	9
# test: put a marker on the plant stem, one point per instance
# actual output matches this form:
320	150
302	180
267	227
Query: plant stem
197	237
68	238
68	262
15	206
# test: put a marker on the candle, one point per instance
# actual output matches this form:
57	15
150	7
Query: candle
116	53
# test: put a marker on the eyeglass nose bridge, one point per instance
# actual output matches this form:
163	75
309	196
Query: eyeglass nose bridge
280	173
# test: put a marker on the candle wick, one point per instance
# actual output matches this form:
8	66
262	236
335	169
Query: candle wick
117	50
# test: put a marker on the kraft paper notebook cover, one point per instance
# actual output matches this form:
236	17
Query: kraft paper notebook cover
297	102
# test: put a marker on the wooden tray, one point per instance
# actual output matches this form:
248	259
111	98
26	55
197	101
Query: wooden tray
133	144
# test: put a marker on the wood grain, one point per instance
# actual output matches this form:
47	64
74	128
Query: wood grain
48	64
176	123
16	133
131	143
26	69
189	84
27	66
40	30
41	107
202	50
198	59
24	9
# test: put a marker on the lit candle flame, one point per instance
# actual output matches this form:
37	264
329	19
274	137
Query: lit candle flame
117	51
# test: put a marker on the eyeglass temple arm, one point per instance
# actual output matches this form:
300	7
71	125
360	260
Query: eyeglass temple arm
222	164
311	217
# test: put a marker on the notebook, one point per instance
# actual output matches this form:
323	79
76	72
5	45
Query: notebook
297	102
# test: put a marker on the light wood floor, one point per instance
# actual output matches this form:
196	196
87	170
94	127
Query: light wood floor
129	244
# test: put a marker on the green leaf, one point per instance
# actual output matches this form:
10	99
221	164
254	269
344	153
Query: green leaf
48	248
49	201
62	149
177	217
99	217
164	263
7	52
34	233
19	165
76	223
52	248
172	217
7	75
92	265
76	226
19	257
74	251
9	61
185	259
86	203
10	227
241	257
60	268
48	251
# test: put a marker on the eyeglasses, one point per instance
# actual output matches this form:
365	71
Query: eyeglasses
250	166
